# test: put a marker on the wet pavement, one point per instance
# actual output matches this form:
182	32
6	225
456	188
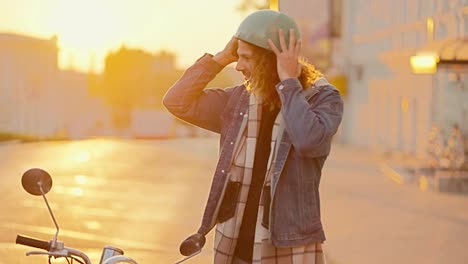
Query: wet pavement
135	195
147	196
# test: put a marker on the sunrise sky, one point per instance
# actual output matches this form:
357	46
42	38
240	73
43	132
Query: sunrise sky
88	29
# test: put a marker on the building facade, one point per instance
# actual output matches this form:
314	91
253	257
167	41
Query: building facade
28	81
389	106
39	100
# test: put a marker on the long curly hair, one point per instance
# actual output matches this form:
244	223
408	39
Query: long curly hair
264	70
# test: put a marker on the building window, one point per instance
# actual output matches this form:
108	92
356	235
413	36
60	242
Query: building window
465	25
419	10
336	17
443	6
430	7
5	75
441	31
359	72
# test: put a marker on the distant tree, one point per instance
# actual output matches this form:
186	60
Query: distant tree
165	75
126	72
134	78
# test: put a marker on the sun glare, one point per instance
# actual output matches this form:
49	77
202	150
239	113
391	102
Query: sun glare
81	179
83	27
88	30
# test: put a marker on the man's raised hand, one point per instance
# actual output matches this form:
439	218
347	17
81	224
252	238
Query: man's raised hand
288	65
229	54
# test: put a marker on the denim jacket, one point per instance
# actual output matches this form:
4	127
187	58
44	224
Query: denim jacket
311	119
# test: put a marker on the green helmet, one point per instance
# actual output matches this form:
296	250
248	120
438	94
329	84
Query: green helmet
262	25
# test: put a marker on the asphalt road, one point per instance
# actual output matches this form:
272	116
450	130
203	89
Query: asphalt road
145	197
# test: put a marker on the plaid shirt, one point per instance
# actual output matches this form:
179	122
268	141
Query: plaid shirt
241	171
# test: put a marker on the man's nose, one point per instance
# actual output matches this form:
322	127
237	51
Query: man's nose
239	66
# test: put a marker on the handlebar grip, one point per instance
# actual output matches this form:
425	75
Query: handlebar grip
32	242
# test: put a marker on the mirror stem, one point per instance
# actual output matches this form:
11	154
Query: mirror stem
54	241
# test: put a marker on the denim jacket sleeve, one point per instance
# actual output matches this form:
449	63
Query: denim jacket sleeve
310	125
188	99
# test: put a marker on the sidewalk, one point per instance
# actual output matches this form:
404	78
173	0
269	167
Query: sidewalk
369	218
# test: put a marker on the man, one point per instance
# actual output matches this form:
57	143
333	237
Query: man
275	135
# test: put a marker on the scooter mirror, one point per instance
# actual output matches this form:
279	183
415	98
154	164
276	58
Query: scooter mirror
192	244
33	179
